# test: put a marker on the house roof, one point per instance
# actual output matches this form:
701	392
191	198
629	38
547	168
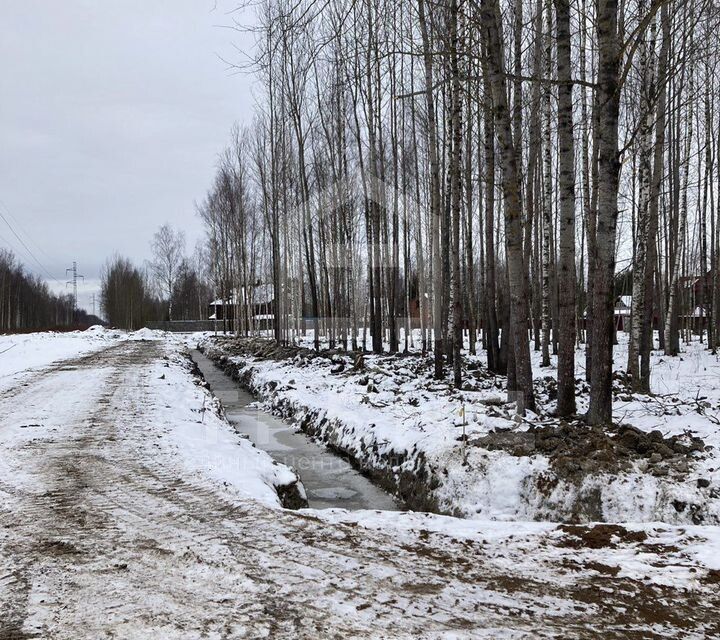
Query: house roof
624	301
623	306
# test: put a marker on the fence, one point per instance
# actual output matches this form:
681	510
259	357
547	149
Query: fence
184	326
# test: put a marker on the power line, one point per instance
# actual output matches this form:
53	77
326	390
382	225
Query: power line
23	230
30	253
22	254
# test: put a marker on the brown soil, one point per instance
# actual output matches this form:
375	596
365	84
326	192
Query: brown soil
575	448
599	536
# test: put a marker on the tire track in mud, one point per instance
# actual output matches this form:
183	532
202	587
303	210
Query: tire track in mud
57	507
120	542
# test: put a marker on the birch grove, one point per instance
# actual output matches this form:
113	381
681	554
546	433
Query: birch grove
479	177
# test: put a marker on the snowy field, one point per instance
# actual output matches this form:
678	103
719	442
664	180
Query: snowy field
22	354
129	508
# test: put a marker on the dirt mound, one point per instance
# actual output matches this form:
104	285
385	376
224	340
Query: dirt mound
575	448
262	348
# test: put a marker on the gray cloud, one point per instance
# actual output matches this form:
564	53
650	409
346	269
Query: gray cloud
111	118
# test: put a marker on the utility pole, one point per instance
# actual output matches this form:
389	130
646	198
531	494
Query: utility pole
93	303
73	282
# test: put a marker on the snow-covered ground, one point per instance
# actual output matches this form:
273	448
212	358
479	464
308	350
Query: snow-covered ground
480	461
22	354
184	418
130	509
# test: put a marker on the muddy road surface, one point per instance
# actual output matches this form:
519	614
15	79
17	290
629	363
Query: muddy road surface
101	538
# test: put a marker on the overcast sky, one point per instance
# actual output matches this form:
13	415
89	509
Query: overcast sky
112	114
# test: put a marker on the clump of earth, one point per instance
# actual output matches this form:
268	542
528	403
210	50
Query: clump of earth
576	448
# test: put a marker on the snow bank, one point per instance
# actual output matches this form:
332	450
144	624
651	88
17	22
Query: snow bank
146	334
198	433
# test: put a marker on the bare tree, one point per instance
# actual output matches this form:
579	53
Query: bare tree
517	275
168	251
608	163
566	179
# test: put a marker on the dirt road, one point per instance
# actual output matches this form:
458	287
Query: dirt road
100	538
